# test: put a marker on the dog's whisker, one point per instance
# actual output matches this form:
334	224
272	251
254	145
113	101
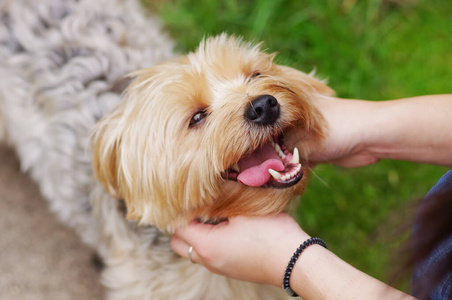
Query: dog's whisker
320	179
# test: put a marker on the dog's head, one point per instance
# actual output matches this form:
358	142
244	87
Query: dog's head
210	135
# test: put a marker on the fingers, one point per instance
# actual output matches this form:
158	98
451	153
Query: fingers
189	236
196	232
196	235
182	248
179	246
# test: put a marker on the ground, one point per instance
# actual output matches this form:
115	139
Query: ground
40	257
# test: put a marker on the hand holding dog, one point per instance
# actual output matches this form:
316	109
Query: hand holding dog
253	249
257	249
362	132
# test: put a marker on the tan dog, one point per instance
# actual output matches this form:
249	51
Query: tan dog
210	135
217	133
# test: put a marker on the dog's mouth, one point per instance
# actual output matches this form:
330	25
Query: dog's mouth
269	166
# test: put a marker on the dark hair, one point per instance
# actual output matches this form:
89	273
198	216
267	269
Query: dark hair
432	228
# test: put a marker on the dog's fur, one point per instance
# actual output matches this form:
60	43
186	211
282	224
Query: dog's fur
62	68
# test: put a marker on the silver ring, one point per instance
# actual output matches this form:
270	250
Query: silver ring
190	250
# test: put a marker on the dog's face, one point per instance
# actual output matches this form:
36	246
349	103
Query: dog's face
210	135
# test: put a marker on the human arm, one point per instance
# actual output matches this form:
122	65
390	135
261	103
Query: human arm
362	132
258	249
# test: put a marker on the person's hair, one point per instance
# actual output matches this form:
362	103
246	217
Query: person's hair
432	227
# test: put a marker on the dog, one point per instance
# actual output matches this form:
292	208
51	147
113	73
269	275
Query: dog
128	140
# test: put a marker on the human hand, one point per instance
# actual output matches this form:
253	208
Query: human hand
258	249
255	249
346	136
360	133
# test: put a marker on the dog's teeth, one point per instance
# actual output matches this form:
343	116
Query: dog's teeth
274	174
277	148
236	168
296	157
282	155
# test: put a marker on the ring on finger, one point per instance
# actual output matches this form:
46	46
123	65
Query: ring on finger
190	251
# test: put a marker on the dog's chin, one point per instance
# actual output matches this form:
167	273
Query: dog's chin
270	165
238	199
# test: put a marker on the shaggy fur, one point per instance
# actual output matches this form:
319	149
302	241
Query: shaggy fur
62	67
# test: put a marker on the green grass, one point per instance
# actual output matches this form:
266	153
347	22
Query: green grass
368	49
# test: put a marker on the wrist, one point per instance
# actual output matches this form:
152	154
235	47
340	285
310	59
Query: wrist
319	274
392	131
405	129
281	256
291	265
373	126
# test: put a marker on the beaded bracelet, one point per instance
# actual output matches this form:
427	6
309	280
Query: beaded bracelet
293	260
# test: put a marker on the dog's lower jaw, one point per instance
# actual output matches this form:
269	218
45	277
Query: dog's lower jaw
239	200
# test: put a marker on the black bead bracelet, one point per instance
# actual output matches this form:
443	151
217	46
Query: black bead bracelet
293	260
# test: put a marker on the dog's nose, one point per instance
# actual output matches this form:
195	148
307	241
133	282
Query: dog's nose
263	110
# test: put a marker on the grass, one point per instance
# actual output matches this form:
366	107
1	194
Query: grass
370	49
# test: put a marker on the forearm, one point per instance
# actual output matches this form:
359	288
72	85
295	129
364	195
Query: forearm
319	274
414	129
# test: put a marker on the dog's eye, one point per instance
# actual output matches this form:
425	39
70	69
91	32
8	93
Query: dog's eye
198	118
255	74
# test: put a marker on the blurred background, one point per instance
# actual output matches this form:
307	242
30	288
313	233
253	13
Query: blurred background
369	49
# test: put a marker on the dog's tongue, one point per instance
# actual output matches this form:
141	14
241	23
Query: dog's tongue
254	169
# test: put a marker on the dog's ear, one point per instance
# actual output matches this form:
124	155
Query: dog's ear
305	81
307	88
126	159
107	137
105	144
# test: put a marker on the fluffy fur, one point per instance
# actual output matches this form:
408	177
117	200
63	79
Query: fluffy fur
63	65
